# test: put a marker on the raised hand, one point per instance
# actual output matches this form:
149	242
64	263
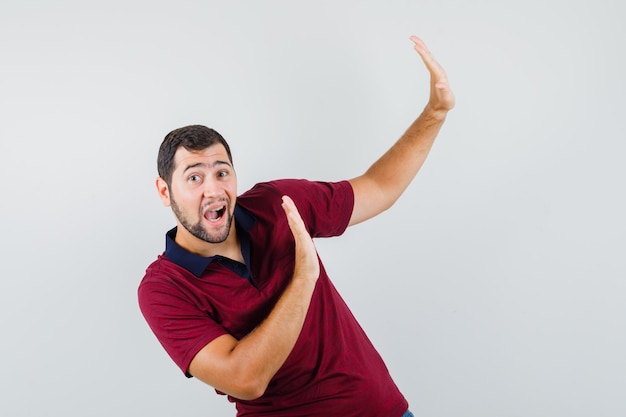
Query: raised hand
441	96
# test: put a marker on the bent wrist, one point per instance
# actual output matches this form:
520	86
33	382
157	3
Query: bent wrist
436	113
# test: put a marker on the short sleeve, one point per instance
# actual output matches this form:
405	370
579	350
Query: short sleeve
326	207
181	327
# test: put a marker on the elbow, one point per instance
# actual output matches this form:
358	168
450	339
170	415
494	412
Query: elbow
250	389
241	385
248	382
250	395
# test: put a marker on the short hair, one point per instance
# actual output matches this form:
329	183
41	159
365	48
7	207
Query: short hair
192	138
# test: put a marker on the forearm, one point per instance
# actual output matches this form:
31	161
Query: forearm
243	368
387	178
261	353
395	169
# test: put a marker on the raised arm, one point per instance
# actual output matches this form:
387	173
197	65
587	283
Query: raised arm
243	368
381	185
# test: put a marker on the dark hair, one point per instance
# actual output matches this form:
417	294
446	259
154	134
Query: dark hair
192	138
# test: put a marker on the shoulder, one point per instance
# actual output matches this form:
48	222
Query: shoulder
161	270
161	280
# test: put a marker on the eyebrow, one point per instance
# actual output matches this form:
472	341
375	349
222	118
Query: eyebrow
204	164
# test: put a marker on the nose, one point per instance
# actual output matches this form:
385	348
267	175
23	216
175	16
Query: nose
211	188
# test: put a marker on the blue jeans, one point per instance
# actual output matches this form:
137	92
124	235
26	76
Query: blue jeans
408	414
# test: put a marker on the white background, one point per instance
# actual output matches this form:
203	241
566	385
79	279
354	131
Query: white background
496	286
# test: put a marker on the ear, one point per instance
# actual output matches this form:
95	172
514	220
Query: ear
164	191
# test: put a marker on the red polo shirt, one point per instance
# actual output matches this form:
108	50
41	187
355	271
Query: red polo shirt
333	370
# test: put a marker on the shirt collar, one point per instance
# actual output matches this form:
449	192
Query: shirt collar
196	264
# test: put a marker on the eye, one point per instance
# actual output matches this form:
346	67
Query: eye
194	178
222	174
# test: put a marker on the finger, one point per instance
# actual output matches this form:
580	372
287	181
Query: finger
296	224
429	60
306	260
301	235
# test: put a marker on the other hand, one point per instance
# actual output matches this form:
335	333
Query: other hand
306	263
441	96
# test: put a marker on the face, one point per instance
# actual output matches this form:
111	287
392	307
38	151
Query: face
202	194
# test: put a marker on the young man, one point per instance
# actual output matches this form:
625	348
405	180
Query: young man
240	300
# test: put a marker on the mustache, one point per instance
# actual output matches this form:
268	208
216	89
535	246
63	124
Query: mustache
206	204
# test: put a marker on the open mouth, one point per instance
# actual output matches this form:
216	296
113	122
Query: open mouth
215	214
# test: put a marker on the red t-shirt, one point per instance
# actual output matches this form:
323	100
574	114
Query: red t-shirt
333	370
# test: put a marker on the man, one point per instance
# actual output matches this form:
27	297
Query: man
240	299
